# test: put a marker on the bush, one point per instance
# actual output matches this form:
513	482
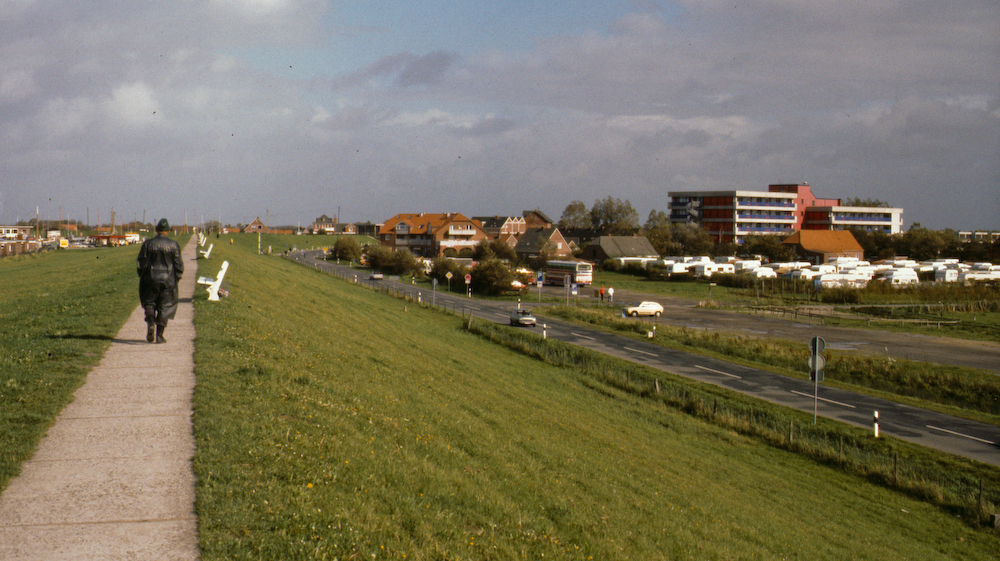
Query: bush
491	277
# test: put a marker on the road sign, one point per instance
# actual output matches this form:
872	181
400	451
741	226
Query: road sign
817	345
574	289
816	362
816	376
448	275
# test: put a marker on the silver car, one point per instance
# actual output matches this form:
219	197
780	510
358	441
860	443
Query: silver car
643	309
522	316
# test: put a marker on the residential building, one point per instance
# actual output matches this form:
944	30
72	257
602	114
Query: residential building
15	232
496	226
368	229
432	235
871	219
326	225
537	241
820	246
536	219
730	216
618	247
987	236
256	226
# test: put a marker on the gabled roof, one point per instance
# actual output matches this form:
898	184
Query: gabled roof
425	223
824	241
323	220
540	214
496	221
534	239
624	246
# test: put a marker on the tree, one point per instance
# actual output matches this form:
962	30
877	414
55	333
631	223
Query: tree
440	268
399	262
491	277
347	248
614	216
872	203
768	246
494	249
690	239
575	215
659	231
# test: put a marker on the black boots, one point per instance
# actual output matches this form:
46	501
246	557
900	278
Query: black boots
159	333
149	331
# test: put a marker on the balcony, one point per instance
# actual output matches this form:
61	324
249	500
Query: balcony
767	217
459	231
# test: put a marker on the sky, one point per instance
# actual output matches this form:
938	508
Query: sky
286	110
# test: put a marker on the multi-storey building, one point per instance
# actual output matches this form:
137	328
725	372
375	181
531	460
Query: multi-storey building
730	216
431	235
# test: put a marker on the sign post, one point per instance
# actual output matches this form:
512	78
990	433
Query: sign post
468	284
816	363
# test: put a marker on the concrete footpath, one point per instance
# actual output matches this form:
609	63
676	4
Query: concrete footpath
113	479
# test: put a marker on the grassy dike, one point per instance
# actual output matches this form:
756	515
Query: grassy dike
333	422
59	312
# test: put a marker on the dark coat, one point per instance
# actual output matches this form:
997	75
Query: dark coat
160	268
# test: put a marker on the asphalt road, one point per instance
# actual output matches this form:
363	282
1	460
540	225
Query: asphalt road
955	435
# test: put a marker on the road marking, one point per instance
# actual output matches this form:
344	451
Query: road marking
984	441
719	372
824	399
638	351
582	336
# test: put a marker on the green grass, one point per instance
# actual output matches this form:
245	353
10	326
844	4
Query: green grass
332	424
955	390
59	312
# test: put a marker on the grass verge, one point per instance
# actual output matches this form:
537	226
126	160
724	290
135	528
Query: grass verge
60	311
333	422
955	390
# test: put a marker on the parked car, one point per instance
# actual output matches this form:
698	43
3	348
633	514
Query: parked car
522	316
376	276
643	309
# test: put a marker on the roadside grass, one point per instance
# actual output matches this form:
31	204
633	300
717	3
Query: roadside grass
333	422
966	392
950	310
60	311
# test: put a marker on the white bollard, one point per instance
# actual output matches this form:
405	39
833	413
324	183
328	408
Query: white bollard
544	327
876	424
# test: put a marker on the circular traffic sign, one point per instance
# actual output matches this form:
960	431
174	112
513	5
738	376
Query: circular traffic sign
816	362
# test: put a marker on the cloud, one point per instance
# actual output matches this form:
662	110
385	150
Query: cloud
892	101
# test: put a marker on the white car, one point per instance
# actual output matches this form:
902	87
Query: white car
643	309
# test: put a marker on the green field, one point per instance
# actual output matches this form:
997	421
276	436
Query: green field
59	311
333	422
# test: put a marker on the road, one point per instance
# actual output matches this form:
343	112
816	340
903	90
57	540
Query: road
971	439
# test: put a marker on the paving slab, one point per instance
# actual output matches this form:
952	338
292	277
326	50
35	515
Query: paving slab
112	478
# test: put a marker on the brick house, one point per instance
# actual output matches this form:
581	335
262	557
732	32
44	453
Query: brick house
432	235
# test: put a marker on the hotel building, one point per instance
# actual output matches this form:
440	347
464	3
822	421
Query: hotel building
730	216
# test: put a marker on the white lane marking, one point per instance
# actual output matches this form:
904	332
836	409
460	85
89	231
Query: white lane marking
984	441
638	351
582	336
719	372
824	399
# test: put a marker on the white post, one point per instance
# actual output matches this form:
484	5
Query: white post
876	424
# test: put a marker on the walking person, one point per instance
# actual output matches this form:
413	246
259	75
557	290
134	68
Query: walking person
160	268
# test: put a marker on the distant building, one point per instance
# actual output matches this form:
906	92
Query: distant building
536	219
256	226
368	229
987	236
15	232
432	235
611	247
821	246
496	226
537	241
730	216
326	225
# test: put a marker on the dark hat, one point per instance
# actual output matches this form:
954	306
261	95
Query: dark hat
163	225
